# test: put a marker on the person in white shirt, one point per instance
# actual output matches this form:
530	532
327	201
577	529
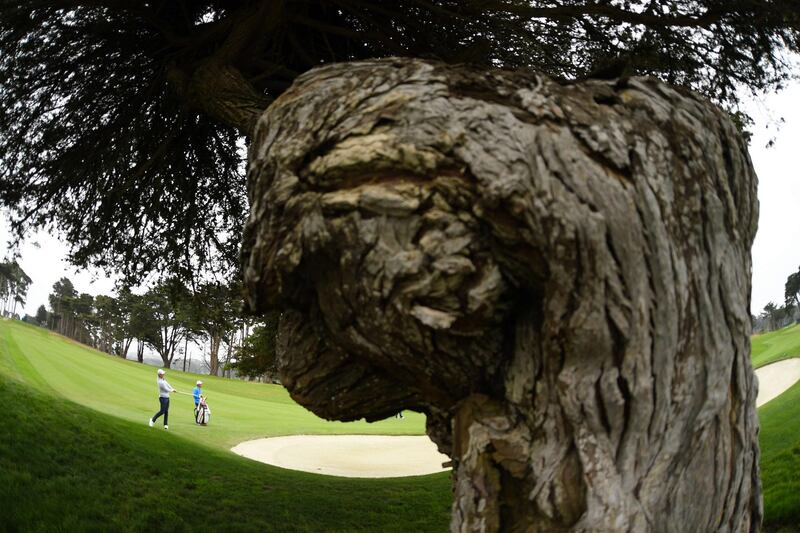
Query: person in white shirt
164	389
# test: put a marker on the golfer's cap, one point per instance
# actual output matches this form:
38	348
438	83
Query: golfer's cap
199	382
161	372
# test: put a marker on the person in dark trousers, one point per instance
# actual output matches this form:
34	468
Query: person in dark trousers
164	389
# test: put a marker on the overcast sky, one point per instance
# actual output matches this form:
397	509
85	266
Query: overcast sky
776	252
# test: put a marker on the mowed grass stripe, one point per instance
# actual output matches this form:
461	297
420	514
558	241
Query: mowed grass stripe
125	389
18	365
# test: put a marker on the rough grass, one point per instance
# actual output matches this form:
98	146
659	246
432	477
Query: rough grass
777	345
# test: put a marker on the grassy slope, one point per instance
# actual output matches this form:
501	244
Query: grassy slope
66	467
776	345
127	390
780	434
53	447
780	458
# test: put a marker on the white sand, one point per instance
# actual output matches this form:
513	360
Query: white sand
775	378
348	455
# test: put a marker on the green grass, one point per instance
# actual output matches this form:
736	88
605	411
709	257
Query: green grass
127	390
64	467
780	435
780	458
76	454
776	345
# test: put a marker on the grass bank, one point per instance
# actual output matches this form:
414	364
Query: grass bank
76	453
64	467
127	390
776	345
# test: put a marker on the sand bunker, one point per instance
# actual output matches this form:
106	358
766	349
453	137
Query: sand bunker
398	456
775	378
348	455
378	456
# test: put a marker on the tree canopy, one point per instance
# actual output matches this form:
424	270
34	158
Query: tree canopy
257	354
161	318
14	283
792	289
120	118
213	312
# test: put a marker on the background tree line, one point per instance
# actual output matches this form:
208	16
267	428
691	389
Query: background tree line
14	283
776	316
165	319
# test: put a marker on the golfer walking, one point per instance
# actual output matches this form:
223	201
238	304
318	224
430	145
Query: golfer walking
164	389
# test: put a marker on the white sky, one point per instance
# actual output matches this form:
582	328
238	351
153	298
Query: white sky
776	252
43	259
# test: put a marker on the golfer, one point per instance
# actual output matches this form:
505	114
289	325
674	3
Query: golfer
164	389
198	388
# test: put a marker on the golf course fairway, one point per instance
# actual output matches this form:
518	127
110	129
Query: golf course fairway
76	453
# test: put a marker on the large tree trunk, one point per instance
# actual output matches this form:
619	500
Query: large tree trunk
558	275
226	363
185	351
213	357
126	344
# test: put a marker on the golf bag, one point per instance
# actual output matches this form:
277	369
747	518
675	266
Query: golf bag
202	413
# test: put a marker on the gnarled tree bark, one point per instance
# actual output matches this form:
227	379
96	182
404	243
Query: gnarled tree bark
558	275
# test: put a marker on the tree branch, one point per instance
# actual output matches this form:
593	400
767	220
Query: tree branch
216	85
698	20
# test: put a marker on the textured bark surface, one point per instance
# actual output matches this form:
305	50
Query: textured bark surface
558	275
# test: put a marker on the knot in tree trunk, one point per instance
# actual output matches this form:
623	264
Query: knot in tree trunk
556	274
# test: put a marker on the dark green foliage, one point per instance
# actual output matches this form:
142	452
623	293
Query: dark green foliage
161	318
73	314
14	283
62	300
214	312
42	316
792	289
770	313
112	318
256	356
164	317
119	118
93	140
